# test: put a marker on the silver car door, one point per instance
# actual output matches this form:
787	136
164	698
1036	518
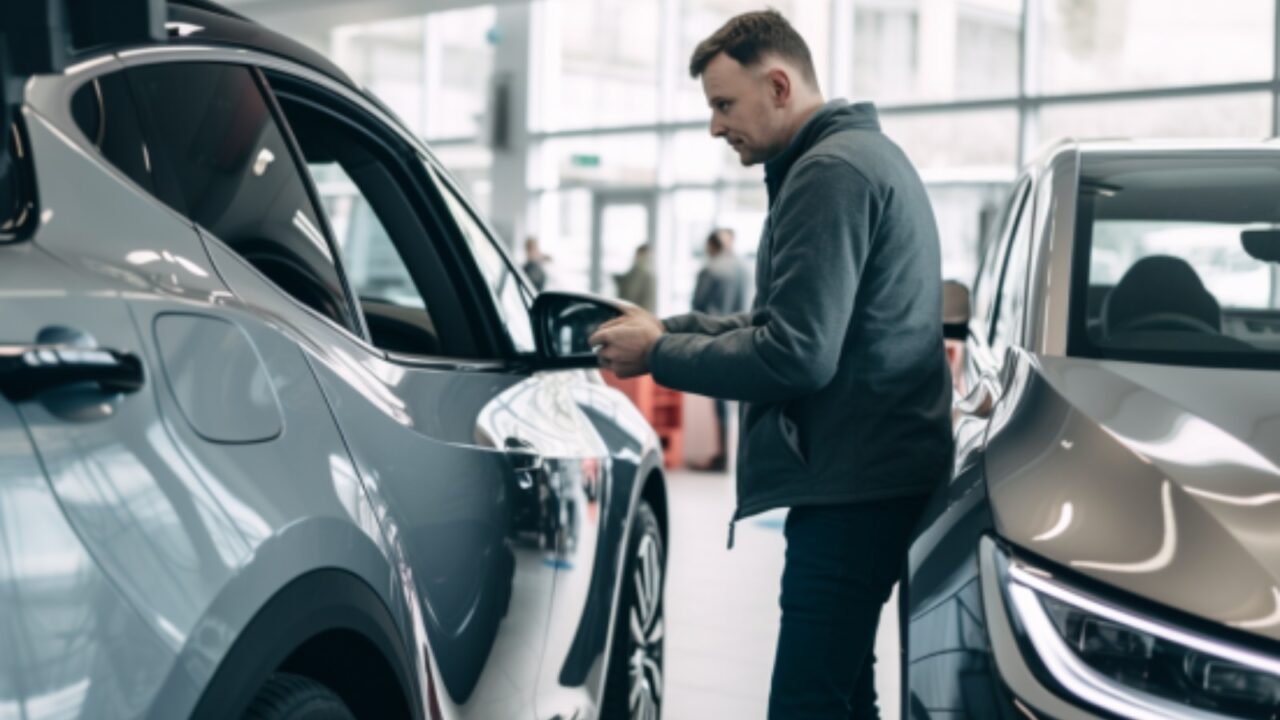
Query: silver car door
580	518
435	416
73	643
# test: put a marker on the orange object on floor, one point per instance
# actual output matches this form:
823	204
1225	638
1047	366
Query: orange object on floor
662	407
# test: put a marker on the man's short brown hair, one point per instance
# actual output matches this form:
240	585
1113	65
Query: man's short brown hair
748	37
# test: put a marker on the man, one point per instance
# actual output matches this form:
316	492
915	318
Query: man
840	363
535	263
721	289
638	285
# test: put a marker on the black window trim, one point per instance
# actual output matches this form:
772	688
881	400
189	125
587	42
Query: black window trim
300	167
460	252
441	172
441	176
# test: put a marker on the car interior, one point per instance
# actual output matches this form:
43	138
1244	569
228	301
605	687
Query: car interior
1158	295
1174	225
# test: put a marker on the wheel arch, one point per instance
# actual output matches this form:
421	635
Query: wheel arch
322	584
327	625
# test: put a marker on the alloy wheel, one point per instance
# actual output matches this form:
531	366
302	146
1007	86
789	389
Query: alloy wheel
646	632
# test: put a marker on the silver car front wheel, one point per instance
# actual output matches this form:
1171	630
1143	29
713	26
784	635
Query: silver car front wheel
635	686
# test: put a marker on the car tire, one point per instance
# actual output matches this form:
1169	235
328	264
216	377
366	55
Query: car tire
294	697
635	684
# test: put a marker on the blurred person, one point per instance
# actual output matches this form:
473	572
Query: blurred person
721	289
955	314
722	284
535	263
839	365
638	284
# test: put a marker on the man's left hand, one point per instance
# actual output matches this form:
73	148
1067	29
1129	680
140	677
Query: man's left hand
625	342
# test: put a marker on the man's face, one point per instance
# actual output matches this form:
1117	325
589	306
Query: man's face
744	109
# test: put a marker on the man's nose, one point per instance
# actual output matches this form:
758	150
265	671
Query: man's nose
718	129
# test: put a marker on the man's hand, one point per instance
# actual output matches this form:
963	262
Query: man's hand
625	342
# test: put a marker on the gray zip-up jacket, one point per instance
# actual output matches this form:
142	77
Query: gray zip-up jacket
840	361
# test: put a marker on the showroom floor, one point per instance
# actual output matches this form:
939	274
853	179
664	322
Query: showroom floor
722	607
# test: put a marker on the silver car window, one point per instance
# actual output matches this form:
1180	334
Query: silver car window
104	111
404	289
220	158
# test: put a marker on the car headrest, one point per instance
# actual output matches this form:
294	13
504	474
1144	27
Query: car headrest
1159	285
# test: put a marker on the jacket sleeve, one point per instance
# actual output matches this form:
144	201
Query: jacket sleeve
701	323
822	232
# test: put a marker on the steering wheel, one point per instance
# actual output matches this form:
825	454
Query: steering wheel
1169	321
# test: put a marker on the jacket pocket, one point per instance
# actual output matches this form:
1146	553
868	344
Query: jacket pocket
791	435
771	444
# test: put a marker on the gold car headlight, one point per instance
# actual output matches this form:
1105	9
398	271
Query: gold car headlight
1131	664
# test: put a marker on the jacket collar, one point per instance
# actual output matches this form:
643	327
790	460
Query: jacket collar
835	115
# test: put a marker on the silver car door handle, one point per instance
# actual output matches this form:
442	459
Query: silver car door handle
28	370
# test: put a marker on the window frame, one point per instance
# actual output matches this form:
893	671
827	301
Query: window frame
1019	237
996	258
1079	344
468	282
523	284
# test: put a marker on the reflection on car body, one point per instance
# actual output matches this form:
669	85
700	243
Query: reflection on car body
1105	547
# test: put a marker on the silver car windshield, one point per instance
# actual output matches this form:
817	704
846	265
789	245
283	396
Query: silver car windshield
1178	259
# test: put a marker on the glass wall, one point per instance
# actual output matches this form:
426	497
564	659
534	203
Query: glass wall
434	72
910	51
971	89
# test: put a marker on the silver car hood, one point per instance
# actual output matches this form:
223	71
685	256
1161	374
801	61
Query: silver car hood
1162	481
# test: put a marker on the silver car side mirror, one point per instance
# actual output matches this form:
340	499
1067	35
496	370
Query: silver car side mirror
564	322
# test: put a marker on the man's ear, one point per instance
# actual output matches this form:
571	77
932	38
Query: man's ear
779	86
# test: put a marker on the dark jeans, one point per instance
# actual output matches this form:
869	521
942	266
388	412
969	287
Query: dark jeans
842	563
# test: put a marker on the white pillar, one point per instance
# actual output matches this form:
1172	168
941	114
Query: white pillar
511	75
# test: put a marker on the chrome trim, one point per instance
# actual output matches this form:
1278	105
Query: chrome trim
1049	292
1092	686
437	362
88	65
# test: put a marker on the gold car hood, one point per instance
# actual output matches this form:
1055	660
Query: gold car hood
1158	480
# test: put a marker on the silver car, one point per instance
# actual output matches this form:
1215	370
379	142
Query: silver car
284	433
1109	545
